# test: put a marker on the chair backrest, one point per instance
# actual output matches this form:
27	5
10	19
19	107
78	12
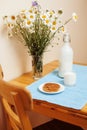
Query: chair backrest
16	103
1	72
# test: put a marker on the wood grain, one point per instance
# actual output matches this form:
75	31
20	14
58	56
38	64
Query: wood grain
76	117
20	99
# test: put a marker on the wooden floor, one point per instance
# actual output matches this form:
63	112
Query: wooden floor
57	125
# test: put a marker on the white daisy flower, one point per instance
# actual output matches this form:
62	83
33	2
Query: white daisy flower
30	10
47	22
55	16
44	16
31	16
23	16
50	13
54	23
35	10
10	21
53	29
28	23
62	29
74	17
5	19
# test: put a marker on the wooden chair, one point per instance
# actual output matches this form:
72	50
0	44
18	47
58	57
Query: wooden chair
1	72
14	97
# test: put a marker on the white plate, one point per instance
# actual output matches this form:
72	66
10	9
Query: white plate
60	90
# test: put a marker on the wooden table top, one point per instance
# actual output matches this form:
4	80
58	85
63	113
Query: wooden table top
76	117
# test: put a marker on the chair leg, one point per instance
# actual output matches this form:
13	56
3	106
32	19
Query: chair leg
3	121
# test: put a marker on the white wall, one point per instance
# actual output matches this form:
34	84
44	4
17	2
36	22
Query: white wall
13	55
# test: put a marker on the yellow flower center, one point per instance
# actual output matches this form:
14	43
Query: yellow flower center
35	12
62	29
44	16
30	11
31	16
13	17
8	24
76	17
24	16
54	22
51	13
47	21
53	28
28	22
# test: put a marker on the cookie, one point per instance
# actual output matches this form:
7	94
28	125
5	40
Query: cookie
51	87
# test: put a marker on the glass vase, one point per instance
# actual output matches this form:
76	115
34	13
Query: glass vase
37	66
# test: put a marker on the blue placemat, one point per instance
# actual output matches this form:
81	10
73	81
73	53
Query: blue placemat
72	97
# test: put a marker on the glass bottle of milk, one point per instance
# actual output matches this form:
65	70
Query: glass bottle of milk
66	56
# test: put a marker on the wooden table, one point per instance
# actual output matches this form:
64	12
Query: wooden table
76	117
